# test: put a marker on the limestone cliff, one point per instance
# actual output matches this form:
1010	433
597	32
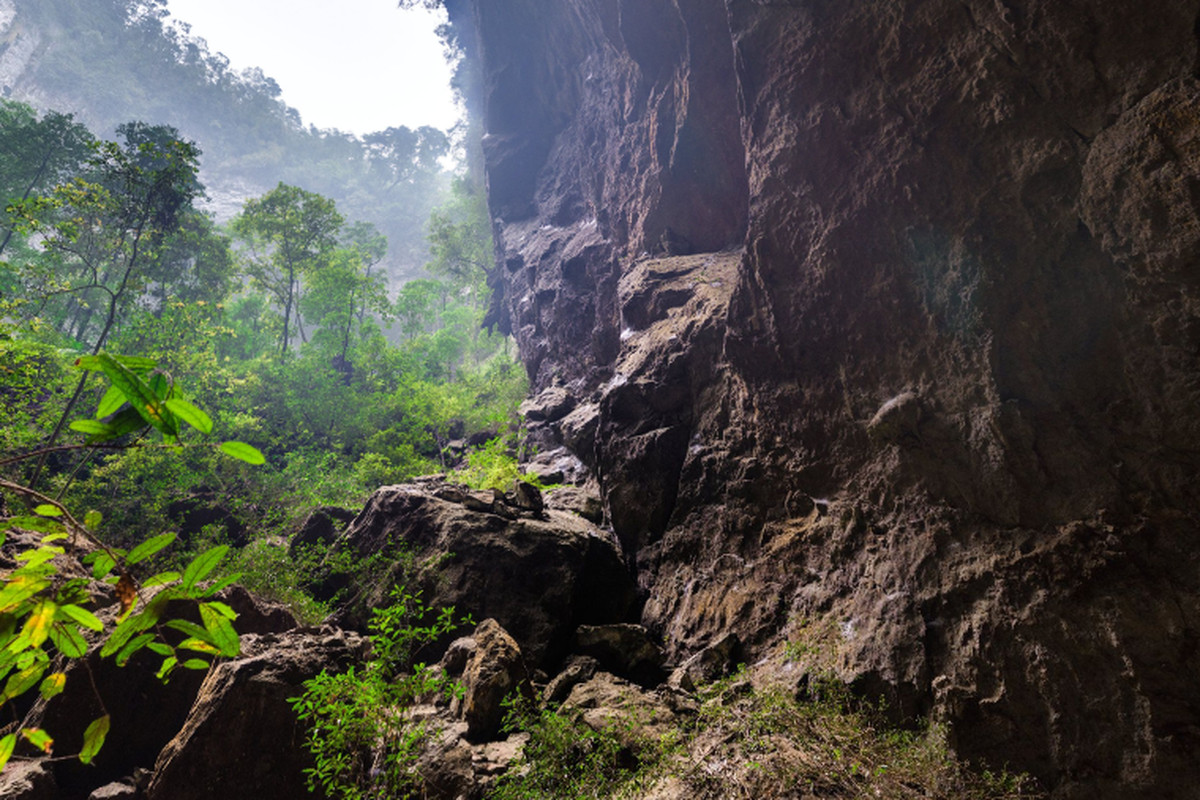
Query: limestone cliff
879	318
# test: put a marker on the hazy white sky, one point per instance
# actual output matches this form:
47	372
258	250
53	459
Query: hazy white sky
355	65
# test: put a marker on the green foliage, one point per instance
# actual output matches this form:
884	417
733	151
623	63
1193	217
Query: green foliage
43	616
565	759
363	741
494	466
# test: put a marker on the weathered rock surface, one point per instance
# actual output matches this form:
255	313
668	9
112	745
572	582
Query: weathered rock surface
493	672
940	400
241	738
538	576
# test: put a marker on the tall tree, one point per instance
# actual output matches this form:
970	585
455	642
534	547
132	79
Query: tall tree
290	234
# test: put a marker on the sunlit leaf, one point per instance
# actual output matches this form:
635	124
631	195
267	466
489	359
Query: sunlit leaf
53	684
149	547
81	615
93	738
167	665
139	394
92	427
39	739
243	452
134	644
221	608
68	640
48	510
221	630
7	744
113	399
202	565
228	580
196	663
54	537
40	555
92	519
103	566
161	648
37	524
24	680
37	627
199	646
191	415
18	589
161	579
130	627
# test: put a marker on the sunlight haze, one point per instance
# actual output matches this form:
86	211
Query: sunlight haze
357	65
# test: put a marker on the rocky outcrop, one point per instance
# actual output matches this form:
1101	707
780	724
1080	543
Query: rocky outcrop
879	319
539	574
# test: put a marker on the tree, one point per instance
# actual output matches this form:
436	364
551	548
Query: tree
36	154
291	234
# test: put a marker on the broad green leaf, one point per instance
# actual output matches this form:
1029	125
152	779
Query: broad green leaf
161	579
191	629
113	399
6	748
54	537
221	584
160	648
199	646
167	665
92	427
221	608
81	615
93	738
135	644
41	555
149	547
243	452
18	589
36	524
48	510
146	618
68	640
103	566
138	364
221	631
24	680
92	519
139	394
201	565
37	627
39	739
53	684
191	415
196	663
125	422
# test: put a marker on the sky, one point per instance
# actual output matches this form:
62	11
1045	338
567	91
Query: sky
355	65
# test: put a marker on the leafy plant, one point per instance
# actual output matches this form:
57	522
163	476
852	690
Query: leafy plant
363	740
44	619
493	466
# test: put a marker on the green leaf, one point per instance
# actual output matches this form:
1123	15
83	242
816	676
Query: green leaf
103	566
200	646
138	364
221	630
243	452
146	618
202	564
38	738
18	589
38	626
149	547
113	399
135	644
161	648
36	524
53	684
139	394
93	738
191	415
47	510
196	663
92	519
81	615
221	608
161	579
68	641
6	748
191	629
228	580
167	665
92	427
24	680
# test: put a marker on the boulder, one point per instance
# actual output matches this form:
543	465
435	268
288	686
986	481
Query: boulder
710	664
241	738
538	578
494	671
320	527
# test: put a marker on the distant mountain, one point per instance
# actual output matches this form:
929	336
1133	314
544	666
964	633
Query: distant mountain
112	61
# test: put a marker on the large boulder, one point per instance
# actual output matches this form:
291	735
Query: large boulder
538	577
494	671
241	738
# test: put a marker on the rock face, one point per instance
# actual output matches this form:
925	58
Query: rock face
880	318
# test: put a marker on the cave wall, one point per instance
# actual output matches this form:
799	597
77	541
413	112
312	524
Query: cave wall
879	319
